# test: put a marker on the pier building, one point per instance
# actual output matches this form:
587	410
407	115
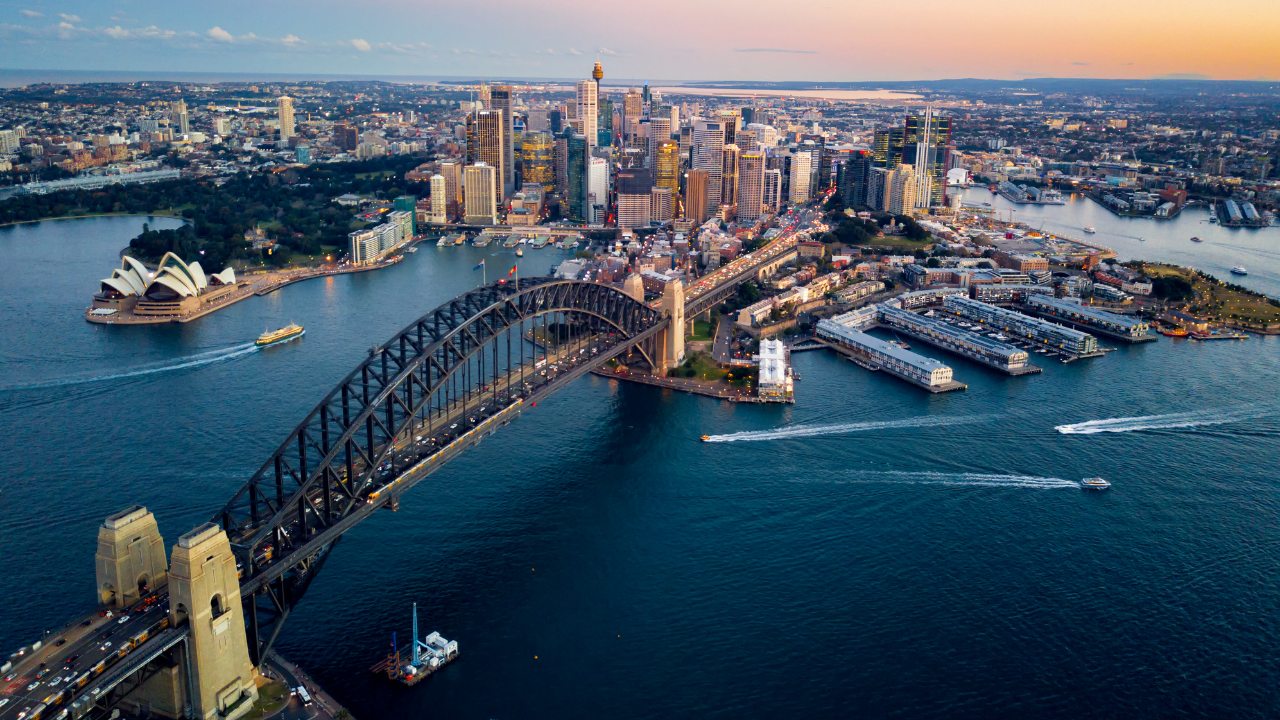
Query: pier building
974	346
1041	332
1121	327
883	355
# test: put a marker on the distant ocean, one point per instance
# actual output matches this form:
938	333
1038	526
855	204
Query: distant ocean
20	78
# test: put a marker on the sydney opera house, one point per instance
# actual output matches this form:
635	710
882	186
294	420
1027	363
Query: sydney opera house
175	288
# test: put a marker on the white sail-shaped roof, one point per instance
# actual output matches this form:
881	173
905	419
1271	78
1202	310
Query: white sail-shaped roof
138	268
197	274
172	282
226	277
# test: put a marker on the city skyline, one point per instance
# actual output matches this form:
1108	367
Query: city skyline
1004	41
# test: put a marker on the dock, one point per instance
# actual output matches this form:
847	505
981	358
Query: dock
717	390
871	364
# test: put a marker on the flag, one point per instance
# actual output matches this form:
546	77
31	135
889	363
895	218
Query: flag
513	271
478	266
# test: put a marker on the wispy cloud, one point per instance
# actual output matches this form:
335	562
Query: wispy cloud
606	51
31	13
775	50
69	18
1081	63
574	52
361	45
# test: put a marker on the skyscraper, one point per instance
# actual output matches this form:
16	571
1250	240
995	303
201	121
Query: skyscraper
635	188
750	187
666	166
588	110
660	204
877	184
284	109
729	176
632	109
500	101
451	170
179	121
772	190
708	155
659	130
597	189
925	146
439	201
900	193
853	178
801	173
886	147
481	181
484	140
537	161
696	202
604	122
578	152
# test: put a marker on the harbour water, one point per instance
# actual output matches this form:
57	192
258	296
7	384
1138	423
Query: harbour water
872	550
1257	249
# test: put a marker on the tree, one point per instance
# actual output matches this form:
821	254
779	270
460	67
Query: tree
1172	288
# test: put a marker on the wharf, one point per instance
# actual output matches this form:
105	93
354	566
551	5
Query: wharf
872	365
1219	335
1027	369
1129	339
718	391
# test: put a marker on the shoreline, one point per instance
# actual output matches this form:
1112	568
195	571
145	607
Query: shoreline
96	215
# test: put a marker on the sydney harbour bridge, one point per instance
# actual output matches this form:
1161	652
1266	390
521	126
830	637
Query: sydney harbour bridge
193	631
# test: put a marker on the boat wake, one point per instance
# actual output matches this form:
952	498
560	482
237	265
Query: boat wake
798	431
197	360
1170	421
965	479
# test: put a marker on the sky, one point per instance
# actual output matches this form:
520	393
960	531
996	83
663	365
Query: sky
802	40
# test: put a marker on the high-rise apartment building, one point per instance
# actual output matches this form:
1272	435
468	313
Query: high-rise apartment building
179	121
284	113
588	110
750	187
900	193
484	140
500	100
537	160
801	175
877	184
708	155
439	201
221	126
926	141
853	177
451	170
481	181
346	137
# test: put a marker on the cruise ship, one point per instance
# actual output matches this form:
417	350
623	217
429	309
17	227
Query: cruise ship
284	334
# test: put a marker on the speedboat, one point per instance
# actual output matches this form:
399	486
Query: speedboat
1089	229
1196	239
705	438
1094	483
1238	270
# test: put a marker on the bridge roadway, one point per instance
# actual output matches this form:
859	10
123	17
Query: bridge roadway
82	659
713	287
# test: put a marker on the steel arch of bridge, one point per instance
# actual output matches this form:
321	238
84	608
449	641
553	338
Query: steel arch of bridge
329	474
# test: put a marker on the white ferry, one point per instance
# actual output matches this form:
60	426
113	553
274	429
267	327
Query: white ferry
1094	483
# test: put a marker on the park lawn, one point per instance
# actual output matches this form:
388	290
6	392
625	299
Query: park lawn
1219	301
703	331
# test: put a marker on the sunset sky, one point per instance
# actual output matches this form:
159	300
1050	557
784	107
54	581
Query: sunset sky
818	40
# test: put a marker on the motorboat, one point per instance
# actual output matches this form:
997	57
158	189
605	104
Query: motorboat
1094	483
705	438
1090	229
1196	239
1238	270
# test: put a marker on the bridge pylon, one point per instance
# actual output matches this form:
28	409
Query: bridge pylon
130	557
672	341
204	592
